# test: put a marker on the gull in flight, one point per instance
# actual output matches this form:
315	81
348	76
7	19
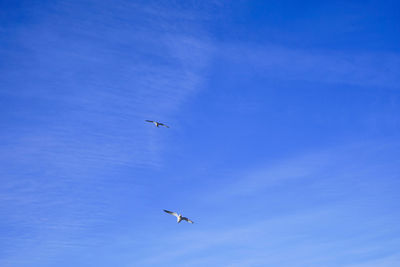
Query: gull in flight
179	217
156	123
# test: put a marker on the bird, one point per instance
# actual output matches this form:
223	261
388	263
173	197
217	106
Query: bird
179	217
156	123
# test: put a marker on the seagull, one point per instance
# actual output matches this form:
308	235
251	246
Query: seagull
156	123
178	216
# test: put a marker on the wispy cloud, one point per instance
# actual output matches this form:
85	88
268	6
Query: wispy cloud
392	260
333	214
287	240
77	87
274	61
84	93
338	165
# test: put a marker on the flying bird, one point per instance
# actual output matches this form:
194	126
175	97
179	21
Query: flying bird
156	123
179	217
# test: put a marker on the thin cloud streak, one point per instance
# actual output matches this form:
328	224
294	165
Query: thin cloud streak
369	69
341	206
59	163
318	166
268	241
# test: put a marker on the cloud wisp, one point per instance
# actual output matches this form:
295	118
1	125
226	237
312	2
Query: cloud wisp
335	207
368	69
77	120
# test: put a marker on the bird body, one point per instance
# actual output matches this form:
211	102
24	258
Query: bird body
156	123
179	217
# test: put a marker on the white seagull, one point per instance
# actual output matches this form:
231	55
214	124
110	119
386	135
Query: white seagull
156	123
179	217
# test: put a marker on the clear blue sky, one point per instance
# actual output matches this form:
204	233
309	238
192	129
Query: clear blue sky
284	146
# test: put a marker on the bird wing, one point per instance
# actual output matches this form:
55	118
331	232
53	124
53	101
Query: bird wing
186	219
162	124
149	121
172	213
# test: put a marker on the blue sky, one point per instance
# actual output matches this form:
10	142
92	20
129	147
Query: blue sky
283	148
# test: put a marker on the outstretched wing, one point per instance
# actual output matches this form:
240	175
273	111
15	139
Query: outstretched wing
186	219
150	121
162	124
172	213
